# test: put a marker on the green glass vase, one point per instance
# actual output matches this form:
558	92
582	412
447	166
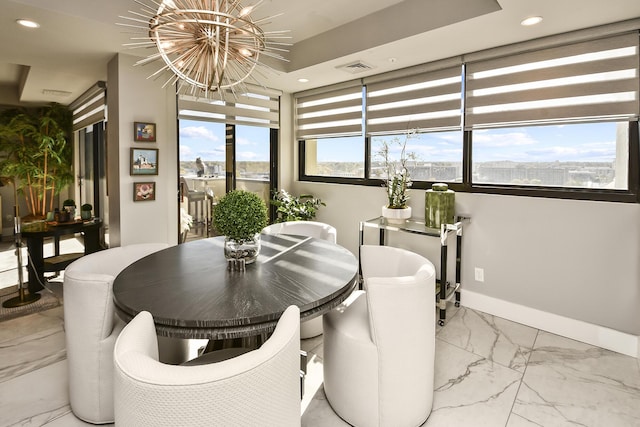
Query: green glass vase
439	205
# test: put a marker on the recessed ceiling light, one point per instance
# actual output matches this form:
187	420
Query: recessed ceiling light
303	80
532	20
28	23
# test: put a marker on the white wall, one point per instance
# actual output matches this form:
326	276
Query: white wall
132	97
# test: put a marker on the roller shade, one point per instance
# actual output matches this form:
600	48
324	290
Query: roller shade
330	112
591	80
256	107
90	107
427	101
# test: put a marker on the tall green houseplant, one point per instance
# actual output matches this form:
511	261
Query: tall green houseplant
36	155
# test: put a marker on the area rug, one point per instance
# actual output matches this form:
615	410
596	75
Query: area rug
47	301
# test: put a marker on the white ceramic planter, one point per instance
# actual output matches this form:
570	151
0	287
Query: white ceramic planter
396	216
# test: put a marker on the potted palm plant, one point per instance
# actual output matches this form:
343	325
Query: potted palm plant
35	154
240	216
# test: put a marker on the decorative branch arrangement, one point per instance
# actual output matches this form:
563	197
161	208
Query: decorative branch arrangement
398	175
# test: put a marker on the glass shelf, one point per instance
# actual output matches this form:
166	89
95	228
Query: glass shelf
418	226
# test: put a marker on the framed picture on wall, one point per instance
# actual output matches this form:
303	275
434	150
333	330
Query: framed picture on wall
144	191
144	161
144	132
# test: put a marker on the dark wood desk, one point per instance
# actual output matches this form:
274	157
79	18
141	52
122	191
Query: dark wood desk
191	294
35	233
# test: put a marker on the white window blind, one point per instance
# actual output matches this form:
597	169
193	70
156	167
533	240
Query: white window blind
591	80
329	112
426	101
90	107
257	107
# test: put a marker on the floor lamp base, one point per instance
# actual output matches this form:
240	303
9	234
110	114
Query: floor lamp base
20	300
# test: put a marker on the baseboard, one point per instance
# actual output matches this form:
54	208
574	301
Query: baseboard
578	330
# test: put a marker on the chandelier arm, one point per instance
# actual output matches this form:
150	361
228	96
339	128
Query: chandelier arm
209	46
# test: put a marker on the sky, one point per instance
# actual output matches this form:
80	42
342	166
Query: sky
206	140
583	143
587	142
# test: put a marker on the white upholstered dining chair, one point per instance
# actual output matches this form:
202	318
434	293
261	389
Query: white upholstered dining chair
309	328
379	344
258	388
91	329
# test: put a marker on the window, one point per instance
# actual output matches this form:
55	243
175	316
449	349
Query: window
583	155
553	121
438	155
252	153
336	157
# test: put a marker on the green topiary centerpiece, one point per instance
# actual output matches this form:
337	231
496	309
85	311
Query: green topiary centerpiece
240	216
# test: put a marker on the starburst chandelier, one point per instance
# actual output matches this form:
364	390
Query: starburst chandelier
209	46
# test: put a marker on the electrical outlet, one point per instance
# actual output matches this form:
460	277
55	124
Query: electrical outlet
479	272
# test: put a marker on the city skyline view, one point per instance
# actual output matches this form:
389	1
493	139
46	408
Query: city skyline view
581	154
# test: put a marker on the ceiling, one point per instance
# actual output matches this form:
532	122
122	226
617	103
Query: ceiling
76	39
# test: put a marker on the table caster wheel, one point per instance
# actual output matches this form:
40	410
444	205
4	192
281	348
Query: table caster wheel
441	322
457	304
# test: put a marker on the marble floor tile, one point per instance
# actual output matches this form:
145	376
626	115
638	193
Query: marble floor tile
320	414
312	381
470	390
565	383
26	325
35	398
31	352
569	383
70	420
499	340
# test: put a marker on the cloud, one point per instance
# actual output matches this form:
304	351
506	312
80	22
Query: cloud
246	155
185	151
244	141
596	151
510	139
199	132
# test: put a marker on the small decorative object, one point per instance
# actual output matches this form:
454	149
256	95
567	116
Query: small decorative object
397	181
292	208
85	211
396	215
240	216
63	216
144	161
236	265
69	206
144	132
144	191
439	205
201	167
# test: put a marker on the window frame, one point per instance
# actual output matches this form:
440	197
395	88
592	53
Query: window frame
630	195
557	43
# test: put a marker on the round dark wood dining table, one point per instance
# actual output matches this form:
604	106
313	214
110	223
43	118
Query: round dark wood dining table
191	293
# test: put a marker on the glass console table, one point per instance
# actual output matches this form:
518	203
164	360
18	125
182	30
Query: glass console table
444	290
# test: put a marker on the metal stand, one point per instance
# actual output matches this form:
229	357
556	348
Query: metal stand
23	298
